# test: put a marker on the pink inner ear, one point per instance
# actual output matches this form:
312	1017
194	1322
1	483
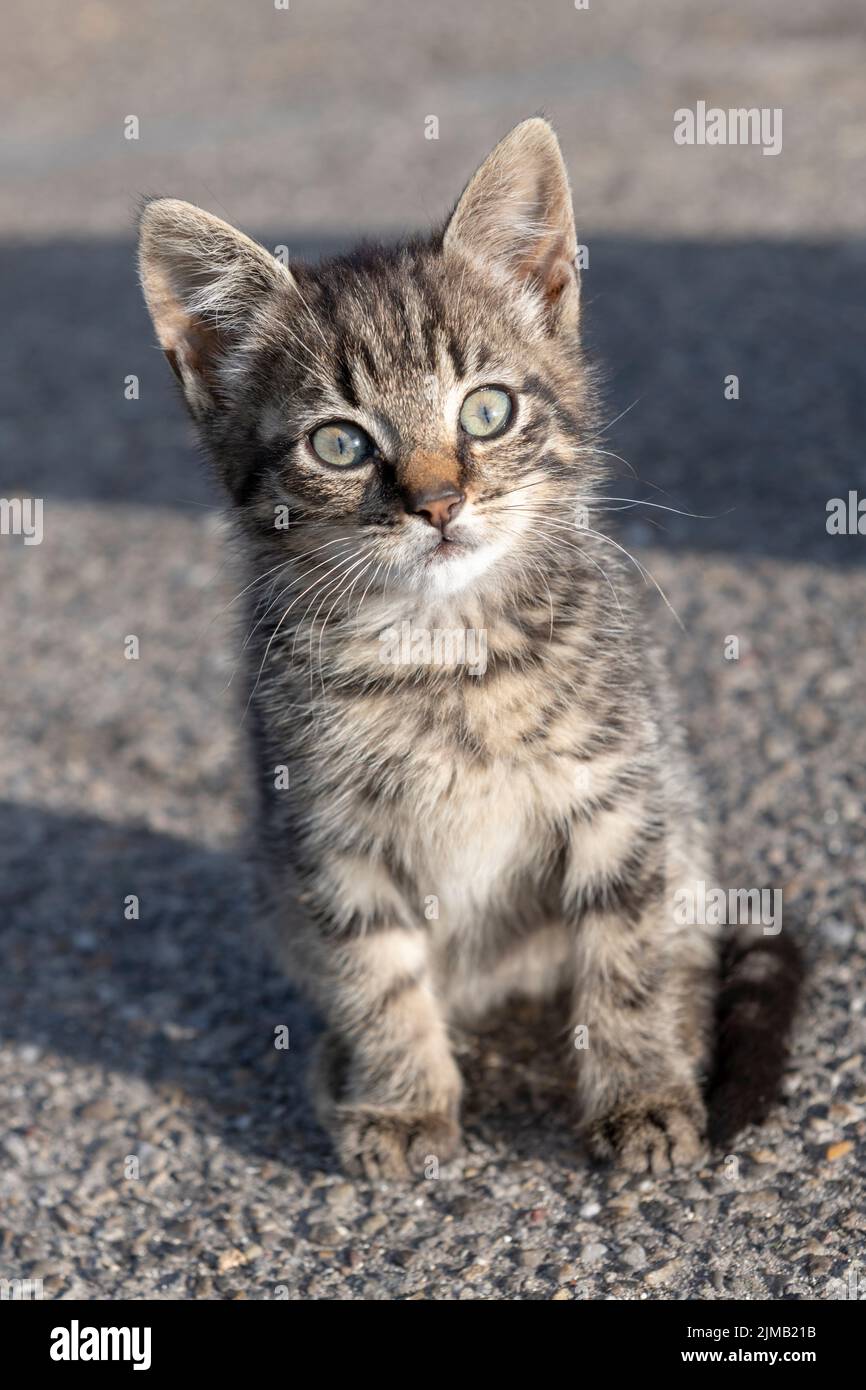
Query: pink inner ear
186	340
557	281
550	267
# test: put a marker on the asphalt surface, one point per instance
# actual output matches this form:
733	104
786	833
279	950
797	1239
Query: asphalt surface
155	1142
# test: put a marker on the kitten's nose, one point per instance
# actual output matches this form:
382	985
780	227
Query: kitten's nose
437	505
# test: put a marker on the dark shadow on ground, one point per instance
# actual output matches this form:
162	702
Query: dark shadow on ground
669	321
185	995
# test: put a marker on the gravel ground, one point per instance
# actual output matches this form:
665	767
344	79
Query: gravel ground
156	1144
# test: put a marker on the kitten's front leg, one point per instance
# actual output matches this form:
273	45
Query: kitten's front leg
643	1003
388	1089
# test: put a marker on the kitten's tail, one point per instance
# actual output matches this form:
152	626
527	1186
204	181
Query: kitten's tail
760	988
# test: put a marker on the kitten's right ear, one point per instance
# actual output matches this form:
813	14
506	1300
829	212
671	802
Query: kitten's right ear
203	282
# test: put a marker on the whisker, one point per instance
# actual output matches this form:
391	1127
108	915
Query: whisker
647	575
572	544
338	568
295	579
540	572
336	584
367	565
640	502
366	591
612	422
320	580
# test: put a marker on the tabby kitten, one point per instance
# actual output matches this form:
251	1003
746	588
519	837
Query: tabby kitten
408	437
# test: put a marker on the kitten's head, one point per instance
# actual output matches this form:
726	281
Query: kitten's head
418	412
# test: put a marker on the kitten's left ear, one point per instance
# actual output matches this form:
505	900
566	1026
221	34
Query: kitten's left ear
516	213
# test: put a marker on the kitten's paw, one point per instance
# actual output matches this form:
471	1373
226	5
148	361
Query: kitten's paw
652	1135
378	1142
390	1144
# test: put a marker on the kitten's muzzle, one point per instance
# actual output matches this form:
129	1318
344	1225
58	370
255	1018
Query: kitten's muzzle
437	506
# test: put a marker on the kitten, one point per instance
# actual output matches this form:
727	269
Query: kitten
488	792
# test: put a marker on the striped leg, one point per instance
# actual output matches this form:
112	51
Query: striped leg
388	1088
643	1004
638	1081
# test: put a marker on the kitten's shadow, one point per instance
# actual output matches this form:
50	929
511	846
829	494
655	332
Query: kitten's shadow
184	996
519	1088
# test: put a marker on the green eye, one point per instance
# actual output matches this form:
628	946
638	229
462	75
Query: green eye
342	444
486	412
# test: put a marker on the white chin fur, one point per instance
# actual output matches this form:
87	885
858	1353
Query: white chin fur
440	578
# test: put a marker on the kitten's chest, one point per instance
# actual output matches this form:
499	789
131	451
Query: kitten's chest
461	791
469	846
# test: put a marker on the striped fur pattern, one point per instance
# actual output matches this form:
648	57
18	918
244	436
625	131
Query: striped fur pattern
449	836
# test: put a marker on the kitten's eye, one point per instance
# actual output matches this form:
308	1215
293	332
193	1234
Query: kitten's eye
486	411
342	444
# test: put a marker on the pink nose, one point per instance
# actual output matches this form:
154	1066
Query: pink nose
437	505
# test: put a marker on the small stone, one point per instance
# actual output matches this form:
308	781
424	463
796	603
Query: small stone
531	1259
561	1295
840	1150
623	1206
180	1230
178	1032
763	1200
373	1224
404	1257
845	1114
664	1274
101	1109
589	1210
230	1259
324	1233
656	1213
67	1217
764	1156
594	1252
341	1195
838	933
634	1256
17	1149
